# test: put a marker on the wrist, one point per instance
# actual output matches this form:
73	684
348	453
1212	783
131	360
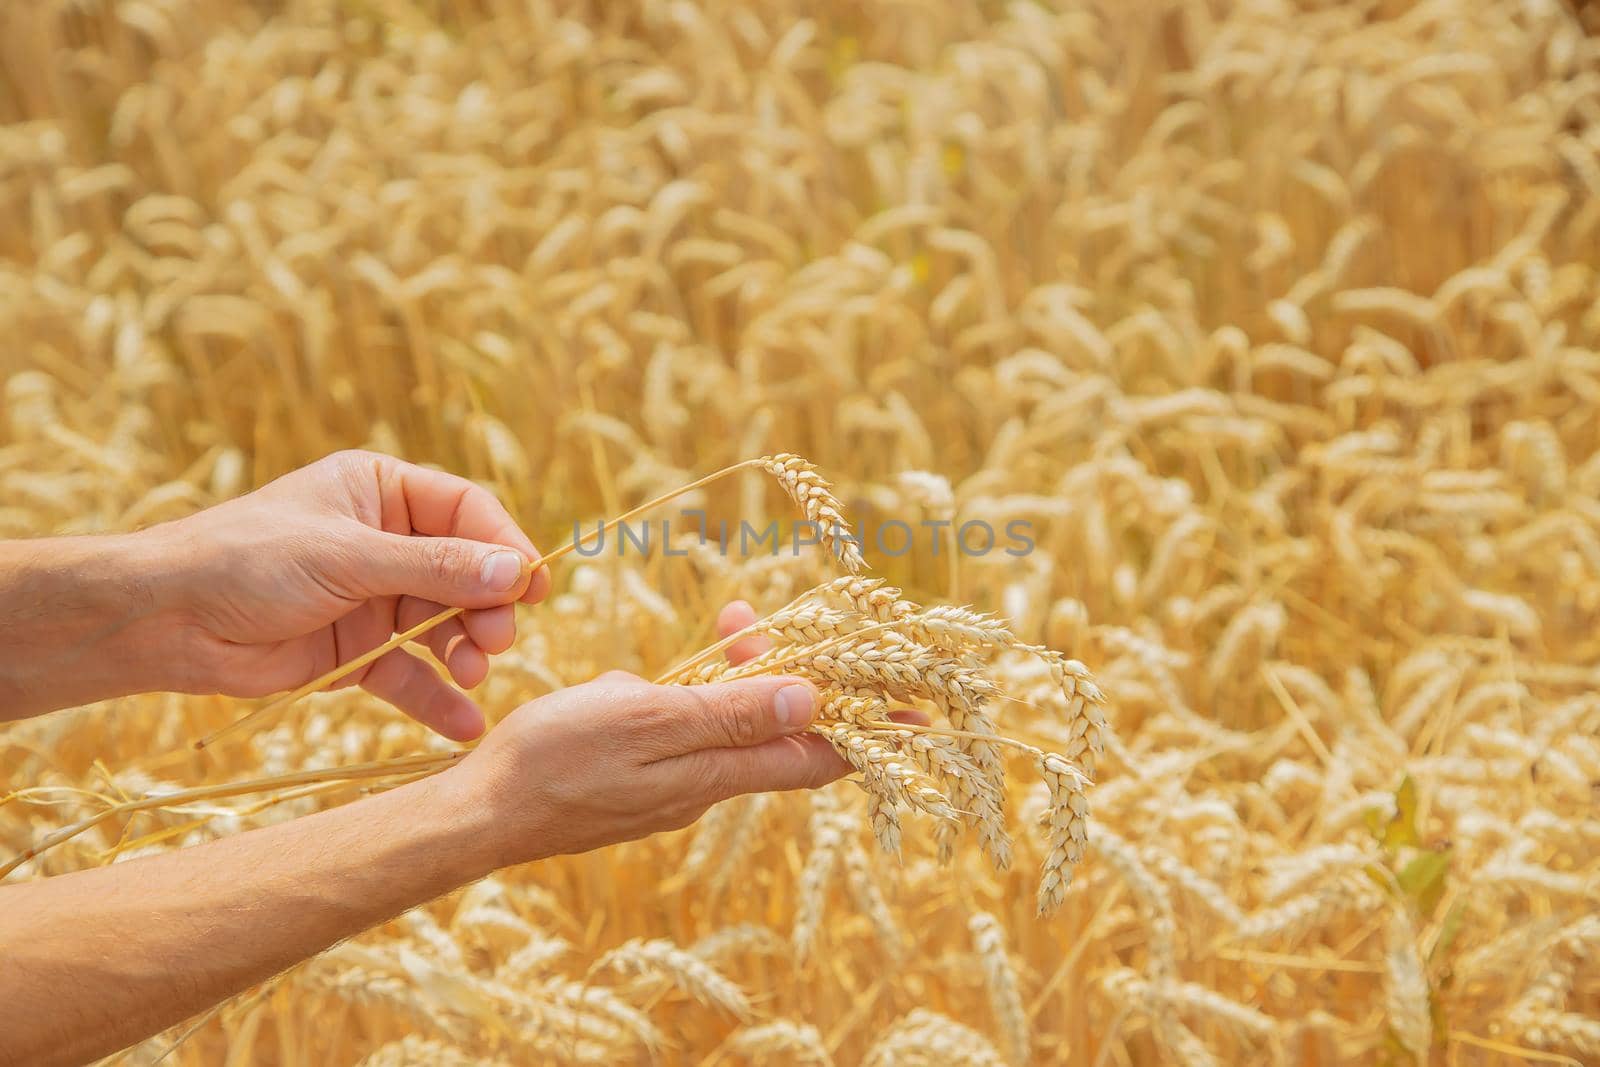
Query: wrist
479	834
87	618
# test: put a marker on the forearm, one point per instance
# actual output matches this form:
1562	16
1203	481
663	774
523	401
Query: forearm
83	619
99	959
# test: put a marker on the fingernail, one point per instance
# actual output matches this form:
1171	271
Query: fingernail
794	706
501	571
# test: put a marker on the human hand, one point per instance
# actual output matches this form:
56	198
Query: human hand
327	562
617	758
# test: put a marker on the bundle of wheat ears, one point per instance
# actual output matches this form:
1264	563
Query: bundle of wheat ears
865	647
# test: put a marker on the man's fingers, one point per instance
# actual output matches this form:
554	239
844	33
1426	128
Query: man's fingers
446	641
448	570
412	686
418	500
466	662
737	714
803	762
734	617
463	644
492	629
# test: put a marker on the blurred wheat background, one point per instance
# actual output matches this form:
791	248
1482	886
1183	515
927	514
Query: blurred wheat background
1277	319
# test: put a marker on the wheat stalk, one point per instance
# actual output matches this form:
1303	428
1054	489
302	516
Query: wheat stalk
1000	979
404	767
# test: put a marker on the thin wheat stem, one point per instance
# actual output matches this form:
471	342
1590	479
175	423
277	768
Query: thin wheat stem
34	794
1510	1049
682	668
427	762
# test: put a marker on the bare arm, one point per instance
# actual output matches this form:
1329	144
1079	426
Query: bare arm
263	593
96	960
101	958
77	618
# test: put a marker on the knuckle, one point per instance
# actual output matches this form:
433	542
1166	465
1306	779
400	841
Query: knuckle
448	561
348	460
739	712
685	709
654	724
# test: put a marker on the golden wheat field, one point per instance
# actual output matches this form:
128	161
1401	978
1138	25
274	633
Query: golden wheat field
1278	322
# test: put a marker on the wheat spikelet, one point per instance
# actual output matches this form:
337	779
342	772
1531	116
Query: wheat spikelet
1564	1030
827	845
1292	918
358	986
751	815
815	497
1538	1014
781	1041
884	819
1166	1000
860	655
869	597
534	960
413	1051
746	938
589	1002
1406	987
1248	1023
808	624
712	833
491	924
898	782
1155	904
1212	896
661	959
426	930
924	1038
870	902
1292	872
1087	729
1000	979
1068	833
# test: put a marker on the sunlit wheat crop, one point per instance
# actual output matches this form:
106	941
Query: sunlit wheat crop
1276	323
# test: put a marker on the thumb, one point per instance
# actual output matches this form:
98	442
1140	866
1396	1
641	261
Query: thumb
740	713
447	570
